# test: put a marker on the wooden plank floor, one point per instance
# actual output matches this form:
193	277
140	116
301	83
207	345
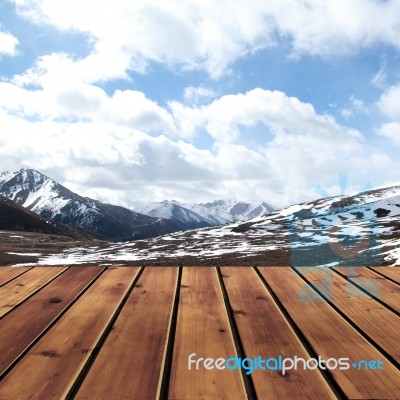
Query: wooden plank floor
127	332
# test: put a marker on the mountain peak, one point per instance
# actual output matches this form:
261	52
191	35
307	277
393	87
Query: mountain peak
217	212
44	196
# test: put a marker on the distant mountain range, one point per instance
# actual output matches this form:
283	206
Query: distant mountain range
219	212
360	230
49	199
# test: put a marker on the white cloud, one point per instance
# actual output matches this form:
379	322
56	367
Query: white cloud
121	164
55	117
356	106
77	101
380	78
194	94
297	146
188	34
336	26
389	103
8	44
60	69
346	113
391	131
212	35
132	108
99	145
281	115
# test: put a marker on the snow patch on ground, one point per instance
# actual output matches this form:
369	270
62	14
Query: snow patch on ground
24	254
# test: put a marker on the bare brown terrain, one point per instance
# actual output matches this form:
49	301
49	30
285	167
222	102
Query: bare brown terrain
28	244
32	246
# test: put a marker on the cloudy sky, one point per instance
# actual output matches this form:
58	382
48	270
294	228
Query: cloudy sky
140	101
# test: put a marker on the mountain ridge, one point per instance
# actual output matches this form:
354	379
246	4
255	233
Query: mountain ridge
200	215
49	199
355	230
14	217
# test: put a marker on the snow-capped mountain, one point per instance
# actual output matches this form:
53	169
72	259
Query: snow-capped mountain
49	199
219	212
179	214
361	230
14	217
232	210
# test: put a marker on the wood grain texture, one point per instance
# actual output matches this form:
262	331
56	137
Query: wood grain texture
331	336
16	291
129	365
379	323
376	285
8	273
390	272
54	363
203	328
265	332
111	339
21	327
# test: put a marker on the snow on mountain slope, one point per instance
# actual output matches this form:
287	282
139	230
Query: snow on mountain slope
14	217
49	199
180	215
359	230
33	190
233	210
218	212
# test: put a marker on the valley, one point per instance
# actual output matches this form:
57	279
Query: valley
355	230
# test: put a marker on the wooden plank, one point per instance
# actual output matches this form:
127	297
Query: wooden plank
130	362
203	328
16	291
376	285
390	272
332	336
265	332
55	361
378	322
8	273
20	328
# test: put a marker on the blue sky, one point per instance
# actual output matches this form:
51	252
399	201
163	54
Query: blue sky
140	102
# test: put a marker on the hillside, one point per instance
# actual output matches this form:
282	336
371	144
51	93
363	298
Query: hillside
342	230
14	217
47	198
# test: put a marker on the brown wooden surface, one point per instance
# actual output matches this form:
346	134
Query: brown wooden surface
126	333
17	290
390	272
21	327
364	311
144	321
203	328
51	367
265	332
7	273
374	284
331	336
